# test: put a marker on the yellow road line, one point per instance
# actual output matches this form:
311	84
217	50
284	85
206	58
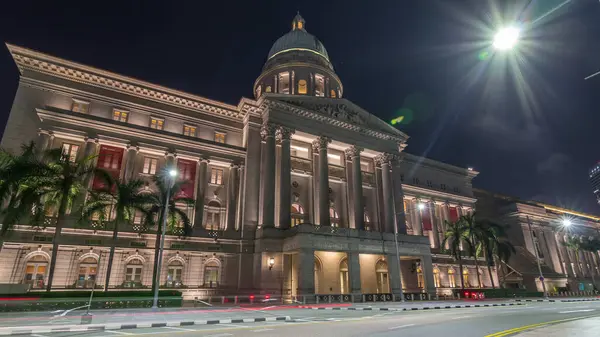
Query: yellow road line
533	326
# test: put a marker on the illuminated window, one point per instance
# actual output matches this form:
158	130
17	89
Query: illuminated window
211	274
174	274
70	151
381	272
334	216
35	272
189	130
220	137
300	25
212	220
297	213
87	273
319	85
268	89
156	123
466	277
133	271
120	116
344	286
333	93
302	87
150	165
284	83
216	176
420	278
80	106
436	278
451	278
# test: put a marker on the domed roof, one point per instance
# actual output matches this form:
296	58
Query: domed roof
298	39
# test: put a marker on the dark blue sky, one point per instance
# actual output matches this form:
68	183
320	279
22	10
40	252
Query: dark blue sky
527	123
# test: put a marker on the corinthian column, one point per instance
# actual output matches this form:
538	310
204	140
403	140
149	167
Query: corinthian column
384	160
353	153
285	180
231	197
132	152
320	145
200	191
267	133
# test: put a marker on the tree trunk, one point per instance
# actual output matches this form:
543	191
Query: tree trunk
476	262
460	267
157	252
111	255
490	262
62	210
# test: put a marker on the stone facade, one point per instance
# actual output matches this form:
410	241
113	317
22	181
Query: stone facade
297	192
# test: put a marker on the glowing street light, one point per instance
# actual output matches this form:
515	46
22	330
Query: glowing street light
506	38
567	222
173	173
421	206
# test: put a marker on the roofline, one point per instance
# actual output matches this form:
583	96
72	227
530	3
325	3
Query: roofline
299	49
438	164
17	51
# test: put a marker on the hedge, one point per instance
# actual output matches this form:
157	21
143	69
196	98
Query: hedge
503	293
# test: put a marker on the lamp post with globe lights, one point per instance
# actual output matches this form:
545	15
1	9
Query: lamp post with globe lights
171	174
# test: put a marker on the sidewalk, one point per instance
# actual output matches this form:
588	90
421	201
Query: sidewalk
589	327
409	305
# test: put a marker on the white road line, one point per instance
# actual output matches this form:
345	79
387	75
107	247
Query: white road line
261	330
571	311
220	335
36	335
461	317
234	325
118	332
175	328
400	327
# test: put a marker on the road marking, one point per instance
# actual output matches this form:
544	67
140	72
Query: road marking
261	330
400	327
119	332
461	317
175	328
233	325
220	335
36	335
532	326
572	311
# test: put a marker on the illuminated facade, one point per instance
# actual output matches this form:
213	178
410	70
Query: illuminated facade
595	180
297	191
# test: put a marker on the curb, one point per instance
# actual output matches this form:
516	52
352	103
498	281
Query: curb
119	326
576	300
412	309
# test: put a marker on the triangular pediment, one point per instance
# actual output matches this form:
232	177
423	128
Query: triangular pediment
341	110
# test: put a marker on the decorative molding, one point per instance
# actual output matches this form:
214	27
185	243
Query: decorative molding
284	133
39	62
267	130
321	143
385	158
353	151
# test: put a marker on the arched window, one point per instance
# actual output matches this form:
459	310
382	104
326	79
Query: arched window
297	214
302	87
334	216
212	218
268	89
381	272
284	83
88	269
133	273
35	271
317	274
211	274
466	277
333	93
420	279
174	273
451	278
319	85
436	278
344	287
367	220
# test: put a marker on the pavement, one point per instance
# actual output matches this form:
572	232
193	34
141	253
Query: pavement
490	321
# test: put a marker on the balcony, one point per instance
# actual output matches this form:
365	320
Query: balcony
301	164
368	178
336	171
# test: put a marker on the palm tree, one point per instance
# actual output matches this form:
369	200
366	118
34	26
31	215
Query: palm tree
485	235
121	200
477	232
178	219
456	232
591	245
575	244
502	250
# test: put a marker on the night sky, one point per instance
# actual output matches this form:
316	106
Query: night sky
526	120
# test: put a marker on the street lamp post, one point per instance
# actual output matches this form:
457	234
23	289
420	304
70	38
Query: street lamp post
171	177
537	257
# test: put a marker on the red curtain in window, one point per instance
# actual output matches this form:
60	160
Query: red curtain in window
109	159
453	214
426	219
187	173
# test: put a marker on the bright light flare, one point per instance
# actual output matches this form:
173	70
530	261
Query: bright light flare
567	222
173	173
506	38
421	206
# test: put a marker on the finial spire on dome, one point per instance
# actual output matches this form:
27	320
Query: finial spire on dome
298	22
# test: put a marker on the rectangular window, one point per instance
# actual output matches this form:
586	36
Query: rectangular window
220	137
80	106
216	176
319	85
150	165
156	123
189	130
70	151
187	173
284	83
120	115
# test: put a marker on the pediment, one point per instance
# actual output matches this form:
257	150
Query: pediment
341	110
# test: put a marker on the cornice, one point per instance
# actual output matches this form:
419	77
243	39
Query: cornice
419	191
43	63
137	131
434	164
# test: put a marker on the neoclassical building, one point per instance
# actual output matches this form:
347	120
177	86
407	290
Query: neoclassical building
298	191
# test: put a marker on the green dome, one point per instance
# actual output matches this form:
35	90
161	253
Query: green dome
298	39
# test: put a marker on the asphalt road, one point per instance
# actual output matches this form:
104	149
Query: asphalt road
466	322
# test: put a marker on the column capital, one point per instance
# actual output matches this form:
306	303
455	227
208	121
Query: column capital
170	154
321	143
353	151
46	132
203	160
234	166
267	130
402	146
385	159
130	146
284	133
